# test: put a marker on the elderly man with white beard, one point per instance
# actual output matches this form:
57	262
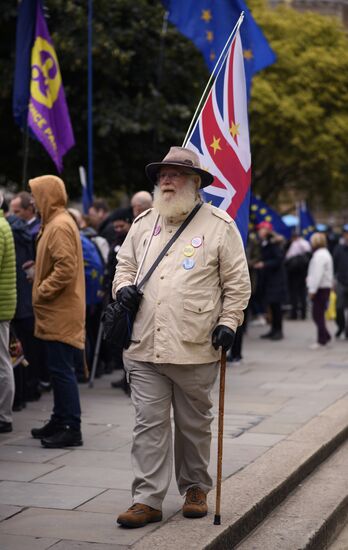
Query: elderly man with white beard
191	306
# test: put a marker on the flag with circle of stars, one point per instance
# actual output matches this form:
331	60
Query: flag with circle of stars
307	223
209	23
261	212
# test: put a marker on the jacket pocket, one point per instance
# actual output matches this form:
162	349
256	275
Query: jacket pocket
198	320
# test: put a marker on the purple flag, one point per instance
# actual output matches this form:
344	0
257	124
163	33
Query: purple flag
48	115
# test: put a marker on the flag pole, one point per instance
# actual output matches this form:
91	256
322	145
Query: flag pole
90	99
216	69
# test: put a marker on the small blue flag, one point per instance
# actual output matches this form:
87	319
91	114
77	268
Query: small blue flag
307	223
260	212
209	24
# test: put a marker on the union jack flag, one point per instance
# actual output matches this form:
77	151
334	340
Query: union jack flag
220	137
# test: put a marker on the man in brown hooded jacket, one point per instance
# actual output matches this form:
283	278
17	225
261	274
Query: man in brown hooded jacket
59	307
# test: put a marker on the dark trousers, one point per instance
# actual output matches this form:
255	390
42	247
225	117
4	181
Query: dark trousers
61	359
341	307
276	311
297	294
34	353
320	301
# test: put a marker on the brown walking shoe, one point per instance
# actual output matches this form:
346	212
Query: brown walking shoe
139	515
195	503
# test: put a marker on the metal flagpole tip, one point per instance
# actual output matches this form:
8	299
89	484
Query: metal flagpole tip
217	519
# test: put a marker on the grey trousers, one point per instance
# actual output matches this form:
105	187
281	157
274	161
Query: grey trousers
7	387
155	388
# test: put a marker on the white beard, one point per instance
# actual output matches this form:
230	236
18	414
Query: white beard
173	205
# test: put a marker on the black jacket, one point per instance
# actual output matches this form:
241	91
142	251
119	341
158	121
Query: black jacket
24	251
273	273
340	259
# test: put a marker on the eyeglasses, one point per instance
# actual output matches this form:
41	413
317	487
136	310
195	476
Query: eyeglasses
171	175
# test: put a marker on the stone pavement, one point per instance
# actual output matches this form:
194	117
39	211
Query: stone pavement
68	499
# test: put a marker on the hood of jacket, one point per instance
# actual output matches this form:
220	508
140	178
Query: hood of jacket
50	196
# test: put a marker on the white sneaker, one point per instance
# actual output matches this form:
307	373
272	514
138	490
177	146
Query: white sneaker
318	346
258	322
315	346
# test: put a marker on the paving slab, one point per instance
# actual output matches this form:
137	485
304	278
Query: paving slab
18	542
74	525
44	495
83	476
73	545
8	511
18	453
18	471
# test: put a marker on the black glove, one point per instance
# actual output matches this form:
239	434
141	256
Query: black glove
223	336
129	297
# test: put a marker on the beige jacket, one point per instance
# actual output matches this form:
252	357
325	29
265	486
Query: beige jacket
181	307
59	283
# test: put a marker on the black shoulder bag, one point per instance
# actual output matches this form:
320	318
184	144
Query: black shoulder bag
117	319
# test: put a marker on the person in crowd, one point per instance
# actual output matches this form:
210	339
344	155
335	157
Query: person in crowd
59	308
296	262
141	201
94	268
98	212
319	284
23	206
340	259
256	306
122	220
191	306
100	219
23	321
8	297
272	268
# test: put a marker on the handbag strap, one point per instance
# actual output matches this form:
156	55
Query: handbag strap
169	244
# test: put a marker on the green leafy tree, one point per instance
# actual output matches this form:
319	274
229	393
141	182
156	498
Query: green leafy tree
298	111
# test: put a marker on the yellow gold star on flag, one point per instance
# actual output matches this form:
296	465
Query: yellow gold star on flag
248	54
210	36
206	16
216	144
234	130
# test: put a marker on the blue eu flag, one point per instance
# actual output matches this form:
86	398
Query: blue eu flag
24	42
307	223
209	23
261	212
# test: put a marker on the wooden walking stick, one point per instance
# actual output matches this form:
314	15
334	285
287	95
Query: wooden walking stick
217	517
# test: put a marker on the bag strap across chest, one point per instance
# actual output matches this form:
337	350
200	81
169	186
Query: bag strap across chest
169	245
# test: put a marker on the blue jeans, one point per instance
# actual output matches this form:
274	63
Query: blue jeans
61	360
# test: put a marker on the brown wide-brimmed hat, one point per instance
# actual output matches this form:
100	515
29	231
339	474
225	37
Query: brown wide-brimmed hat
185	158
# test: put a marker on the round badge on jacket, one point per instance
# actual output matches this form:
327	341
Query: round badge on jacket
188	263
196	242
189	250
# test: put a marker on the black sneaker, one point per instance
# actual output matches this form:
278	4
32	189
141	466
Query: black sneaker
66	437
267	335
47	430
277	335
